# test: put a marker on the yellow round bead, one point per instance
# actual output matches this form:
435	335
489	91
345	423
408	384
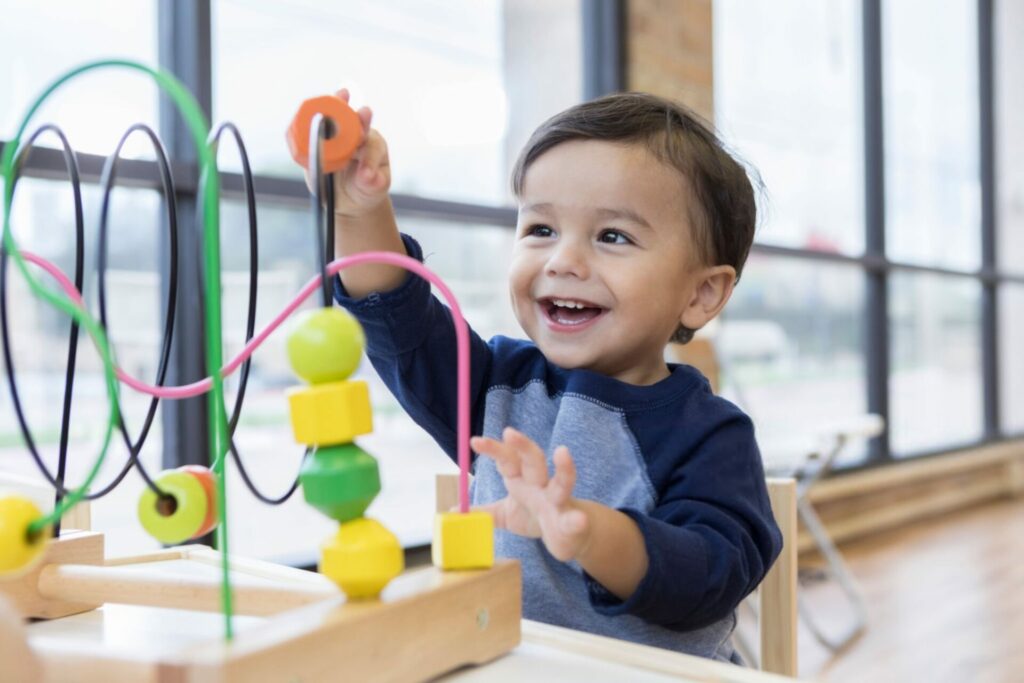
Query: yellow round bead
362	558
19	549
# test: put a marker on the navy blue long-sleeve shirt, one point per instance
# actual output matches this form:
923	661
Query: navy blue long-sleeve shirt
680	461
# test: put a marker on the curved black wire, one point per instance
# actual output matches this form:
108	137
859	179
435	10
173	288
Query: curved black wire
108	176
107	179
250	323
71	165
250	200
322	185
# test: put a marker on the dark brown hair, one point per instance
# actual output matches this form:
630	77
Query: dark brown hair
725	211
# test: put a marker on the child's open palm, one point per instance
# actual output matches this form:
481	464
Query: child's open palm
537	505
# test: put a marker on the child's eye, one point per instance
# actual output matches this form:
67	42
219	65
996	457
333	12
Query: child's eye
614	237
538	231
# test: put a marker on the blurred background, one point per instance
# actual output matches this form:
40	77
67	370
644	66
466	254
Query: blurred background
886	278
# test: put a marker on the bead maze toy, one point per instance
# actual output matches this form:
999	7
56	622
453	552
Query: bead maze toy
361	607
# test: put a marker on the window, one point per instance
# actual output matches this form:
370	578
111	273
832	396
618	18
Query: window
1011	341
802	115
935	386
448	81
792	109
933	208
793	328
43	221
453	90
1009	214
95	109
453	86
407	456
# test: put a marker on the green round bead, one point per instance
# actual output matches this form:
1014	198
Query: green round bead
340	481
325	345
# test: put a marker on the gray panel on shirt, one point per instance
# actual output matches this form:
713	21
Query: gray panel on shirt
610	470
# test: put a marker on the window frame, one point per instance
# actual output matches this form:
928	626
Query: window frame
185	49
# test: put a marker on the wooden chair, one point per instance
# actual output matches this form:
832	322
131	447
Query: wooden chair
777	609
807	458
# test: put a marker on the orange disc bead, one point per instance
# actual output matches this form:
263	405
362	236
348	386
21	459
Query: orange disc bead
340	146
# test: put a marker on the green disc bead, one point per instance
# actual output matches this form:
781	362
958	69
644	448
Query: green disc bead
340	481
325	345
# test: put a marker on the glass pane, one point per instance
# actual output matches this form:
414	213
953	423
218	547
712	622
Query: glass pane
408	458
43	220
42	40
1011	362
1009	131
930	82
788	99
451	83
791	349
935	381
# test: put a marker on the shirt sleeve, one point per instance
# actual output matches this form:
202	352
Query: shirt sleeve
410	340
710	539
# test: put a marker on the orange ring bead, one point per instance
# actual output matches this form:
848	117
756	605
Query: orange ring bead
339	147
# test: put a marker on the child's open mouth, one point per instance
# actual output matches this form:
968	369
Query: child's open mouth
569	312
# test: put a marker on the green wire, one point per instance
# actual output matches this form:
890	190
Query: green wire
199	128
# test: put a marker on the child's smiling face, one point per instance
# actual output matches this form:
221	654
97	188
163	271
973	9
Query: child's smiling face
605	266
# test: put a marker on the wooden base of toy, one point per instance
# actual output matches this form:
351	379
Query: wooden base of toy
426	622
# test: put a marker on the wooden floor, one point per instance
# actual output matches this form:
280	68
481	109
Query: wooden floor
945	600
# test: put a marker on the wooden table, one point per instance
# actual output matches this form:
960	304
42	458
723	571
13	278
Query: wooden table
134	636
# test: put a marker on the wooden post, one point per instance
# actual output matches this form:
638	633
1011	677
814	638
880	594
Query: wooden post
778	609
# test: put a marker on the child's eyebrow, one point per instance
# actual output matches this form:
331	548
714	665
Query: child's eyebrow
602	212
624	213
539	207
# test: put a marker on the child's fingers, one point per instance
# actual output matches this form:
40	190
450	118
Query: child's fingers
343	94
373	156
504	456
534	464
495	510
562	483
365	116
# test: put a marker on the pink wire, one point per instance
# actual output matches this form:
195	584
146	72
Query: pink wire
390	258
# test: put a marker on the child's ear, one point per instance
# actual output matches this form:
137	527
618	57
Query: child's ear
714	287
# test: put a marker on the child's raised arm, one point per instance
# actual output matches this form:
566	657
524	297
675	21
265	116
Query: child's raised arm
364	219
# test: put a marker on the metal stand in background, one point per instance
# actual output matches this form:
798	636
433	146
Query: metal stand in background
815	465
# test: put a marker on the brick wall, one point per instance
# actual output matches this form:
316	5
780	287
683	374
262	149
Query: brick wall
669	51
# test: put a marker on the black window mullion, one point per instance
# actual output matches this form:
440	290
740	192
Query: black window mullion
185	51
986	162
603	47
877	295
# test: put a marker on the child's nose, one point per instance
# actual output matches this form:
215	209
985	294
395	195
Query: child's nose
568	258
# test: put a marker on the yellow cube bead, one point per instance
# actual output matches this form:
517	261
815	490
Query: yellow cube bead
362	558
463	540
329	414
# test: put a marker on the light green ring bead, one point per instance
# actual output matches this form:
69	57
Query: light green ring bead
186	520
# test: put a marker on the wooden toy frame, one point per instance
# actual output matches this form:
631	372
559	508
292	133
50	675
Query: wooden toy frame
427	622
433	620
